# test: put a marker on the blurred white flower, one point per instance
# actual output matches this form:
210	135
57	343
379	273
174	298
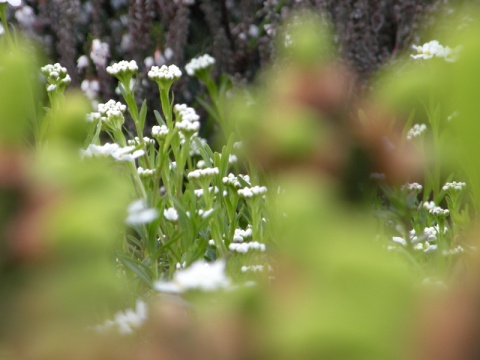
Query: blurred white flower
199	276
99	52
126	321
201	63
12	2
434	49
170	214
139	214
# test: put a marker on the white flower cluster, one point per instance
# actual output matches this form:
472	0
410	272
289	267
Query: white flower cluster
91	88
252	268
247	246
416	131
240	235
211	189
232	180
145	173
139	214
136	141
426	247
159	132
455	186
438	211
56	75
200	63
412	187
434	49
126	321
170	214
187	119
12	2
164	72
455	251
110	113
127	153
122	68
254	191
203	213
199	276
203	173
429	205
99	53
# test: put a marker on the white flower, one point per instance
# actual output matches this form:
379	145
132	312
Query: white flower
438	211
416	131
233	180
123	67
139	214
164	72
127	153
429	205
57	76
200	63
82	62
90	88
145	173
159	132
412	187
111	113
199	276
434	49
12	2
25	17
253	191
127	320
247	246
136	141
211	189
454	186
252	268
170	214
99	53
203	173
240	235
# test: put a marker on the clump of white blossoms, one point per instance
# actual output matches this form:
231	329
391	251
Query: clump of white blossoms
416	131
200	275
57	76
145	173
254	191
111	114
454	186
252	268
136	141
99	53
429	205
412	187
247	246
170	214
434	49
206	173
211	189
159	132
165	75
139	214
439	212
12	2
122	67
187	120
234	181
126	321
196	65
240	235
127	153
